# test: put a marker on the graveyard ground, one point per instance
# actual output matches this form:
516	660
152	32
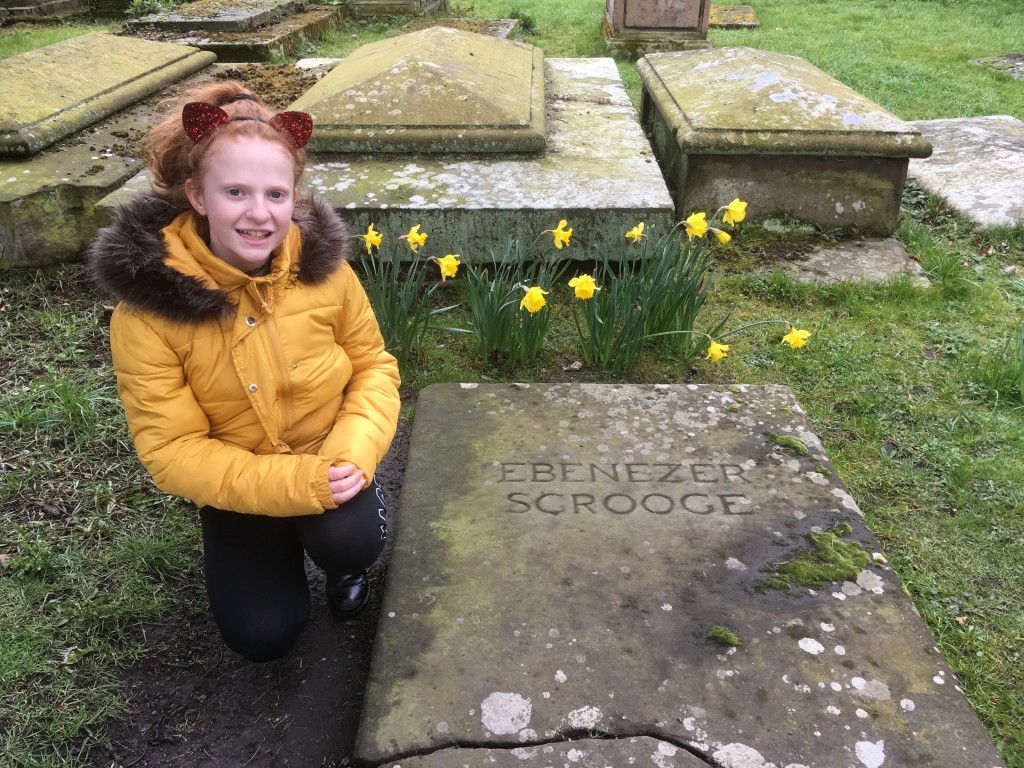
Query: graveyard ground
107	655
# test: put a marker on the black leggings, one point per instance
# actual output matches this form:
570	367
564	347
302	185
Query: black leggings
255	571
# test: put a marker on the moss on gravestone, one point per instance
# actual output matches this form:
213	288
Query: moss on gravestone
830	560
794	444
724	636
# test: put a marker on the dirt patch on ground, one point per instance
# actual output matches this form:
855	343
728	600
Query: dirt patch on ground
195	703
277	84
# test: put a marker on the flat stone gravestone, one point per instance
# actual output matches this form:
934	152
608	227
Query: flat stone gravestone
977	167
778	132
217	15
52	92
733	17
580	561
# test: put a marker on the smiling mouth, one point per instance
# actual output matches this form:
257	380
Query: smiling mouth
254	234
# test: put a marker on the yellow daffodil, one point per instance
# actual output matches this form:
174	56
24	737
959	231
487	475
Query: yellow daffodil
534	298
560	235
372	239
696	225
717	351
735	212
415	238
636	234
585	286
449	265
796	338
723	237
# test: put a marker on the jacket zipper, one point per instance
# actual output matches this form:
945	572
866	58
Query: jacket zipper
277	353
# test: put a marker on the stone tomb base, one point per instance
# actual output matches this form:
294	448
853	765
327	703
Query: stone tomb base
574	561
777	132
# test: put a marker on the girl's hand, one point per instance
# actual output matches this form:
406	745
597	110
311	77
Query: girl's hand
345	482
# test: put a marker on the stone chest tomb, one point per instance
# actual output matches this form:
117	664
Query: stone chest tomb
438	90
777	132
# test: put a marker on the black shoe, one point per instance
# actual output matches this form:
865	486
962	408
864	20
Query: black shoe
348	595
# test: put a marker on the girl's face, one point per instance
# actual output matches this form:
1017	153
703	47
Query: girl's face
247	195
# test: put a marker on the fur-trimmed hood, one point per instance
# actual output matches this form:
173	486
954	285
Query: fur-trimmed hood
127	259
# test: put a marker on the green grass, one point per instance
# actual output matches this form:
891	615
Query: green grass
898	381
912	57
20	38
90	547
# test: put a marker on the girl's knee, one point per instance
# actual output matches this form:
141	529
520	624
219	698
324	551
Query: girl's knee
263	641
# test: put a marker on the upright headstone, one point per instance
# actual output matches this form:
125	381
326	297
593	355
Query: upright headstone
636	27
675	567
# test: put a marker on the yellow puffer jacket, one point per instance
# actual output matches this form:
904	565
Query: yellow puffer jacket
240	392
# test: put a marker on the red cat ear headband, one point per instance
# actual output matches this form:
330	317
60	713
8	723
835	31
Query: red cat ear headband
199	119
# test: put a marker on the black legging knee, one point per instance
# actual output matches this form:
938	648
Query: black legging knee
254	570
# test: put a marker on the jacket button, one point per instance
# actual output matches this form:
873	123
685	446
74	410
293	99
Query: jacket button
250	321
253	387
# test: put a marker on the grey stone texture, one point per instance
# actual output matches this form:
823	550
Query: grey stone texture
639	752
58	90
278	38
777	132
436	90
369	8
873	260
565	555
216	16
635	27
977	167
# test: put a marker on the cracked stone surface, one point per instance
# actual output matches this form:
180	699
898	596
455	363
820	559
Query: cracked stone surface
563	553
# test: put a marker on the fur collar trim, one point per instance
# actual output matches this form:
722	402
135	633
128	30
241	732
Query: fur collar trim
127	259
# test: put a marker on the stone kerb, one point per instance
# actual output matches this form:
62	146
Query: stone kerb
53	92
581	560
778	132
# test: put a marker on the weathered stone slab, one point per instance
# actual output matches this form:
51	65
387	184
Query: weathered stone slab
361	9
640	752
571	560
216	16
977	167
635	27
1011	64
778	132
13	10
437	90
279	39
52	92
873	260
733	17
598	172
499	28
